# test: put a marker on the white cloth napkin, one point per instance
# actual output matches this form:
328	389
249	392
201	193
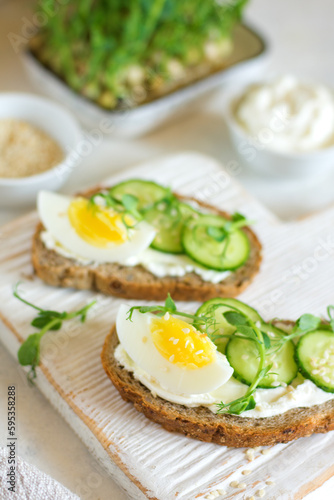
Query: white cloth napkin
31	483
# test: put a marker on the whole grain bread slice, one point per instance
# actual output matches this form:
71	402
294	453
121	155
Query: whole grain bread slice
137	282
200	423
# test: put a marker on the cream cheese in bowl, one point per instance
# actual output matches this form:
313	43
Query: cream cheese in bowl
284	127
301	116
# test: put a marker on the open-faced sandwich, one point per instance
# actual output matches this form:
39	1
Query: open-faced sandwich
139	240
224	375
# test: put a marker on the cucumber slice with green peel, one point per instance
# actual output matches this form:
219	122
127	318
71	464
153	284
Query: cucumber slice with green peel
147	192
188	212
166	218
205	242
315	357
243	356
215	308
169	217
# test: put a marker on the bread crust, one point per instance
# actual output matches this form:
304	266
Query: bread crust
137	282
200	423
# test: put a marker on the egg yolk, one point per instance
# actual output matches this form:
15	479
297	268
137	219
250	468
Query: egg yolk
181	344
97	225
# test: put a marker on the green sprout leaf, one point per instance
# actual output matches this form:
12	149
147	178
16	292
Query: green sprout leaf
217	233
235	318
28	353
170	304
266	340
46	320
129	202
250	404
247	332
308	322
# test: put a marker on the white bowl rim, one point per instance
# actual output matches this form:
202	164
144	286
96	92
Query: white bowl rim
233	123
31	179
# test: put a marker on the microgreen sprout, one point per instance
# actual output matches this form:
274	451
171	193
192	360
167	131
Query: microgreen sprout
127	206
120	54
247	329
171	308
46	320
220	233
305	324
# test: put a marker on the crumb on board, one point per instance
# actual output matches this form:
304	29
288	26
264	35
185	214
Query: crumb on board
215	494
250	454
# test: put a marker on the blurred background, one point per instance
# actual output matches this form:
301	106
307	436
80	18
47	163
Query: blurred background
298	37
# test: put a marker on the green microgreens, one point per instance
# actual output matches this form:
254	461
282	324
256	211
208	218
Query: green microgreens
305	324
128	205
170	208
244	328
237	221
46	320
170	307
247	329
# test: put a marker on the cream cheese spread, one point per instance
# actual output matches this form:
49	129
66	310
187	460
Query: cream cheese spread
269	402
158	263
287	115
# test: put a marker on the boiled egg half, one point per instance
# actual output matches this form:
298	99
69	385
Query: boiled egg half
171	351
92	231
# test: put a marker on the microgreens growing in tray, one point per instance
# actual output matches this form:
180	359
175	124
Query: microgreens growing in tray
124	53
46	320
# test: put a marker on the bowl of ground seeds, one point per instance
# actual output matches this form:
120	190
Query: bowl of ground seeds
40	145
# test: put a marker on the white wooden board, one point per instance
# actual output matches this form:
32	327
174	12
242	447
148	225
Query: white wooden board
147	461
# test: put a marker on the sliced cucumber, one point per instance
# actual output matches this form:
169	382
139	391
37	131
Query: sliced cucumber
147	192
188	212
315	357
169	217
229	253
215	308
166	218
243	356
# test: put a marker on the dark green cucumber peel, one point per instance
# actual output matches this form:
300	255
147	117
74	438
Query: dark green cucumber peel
311	352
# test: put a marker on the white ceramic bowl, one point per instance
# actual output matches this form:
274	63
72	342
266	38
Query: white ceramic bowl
56	121
271	162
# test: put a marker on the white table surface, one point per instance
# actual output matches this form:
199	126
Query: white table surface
301	36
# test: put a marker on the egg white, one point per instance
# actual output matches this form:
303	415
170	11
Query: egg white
53	212
135	338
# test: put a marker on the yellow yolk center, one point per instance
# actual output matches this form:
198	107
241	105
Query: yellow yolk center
97	225
181	343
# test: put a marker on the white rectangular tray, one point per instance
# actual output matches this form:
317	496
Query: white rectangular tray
146	460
